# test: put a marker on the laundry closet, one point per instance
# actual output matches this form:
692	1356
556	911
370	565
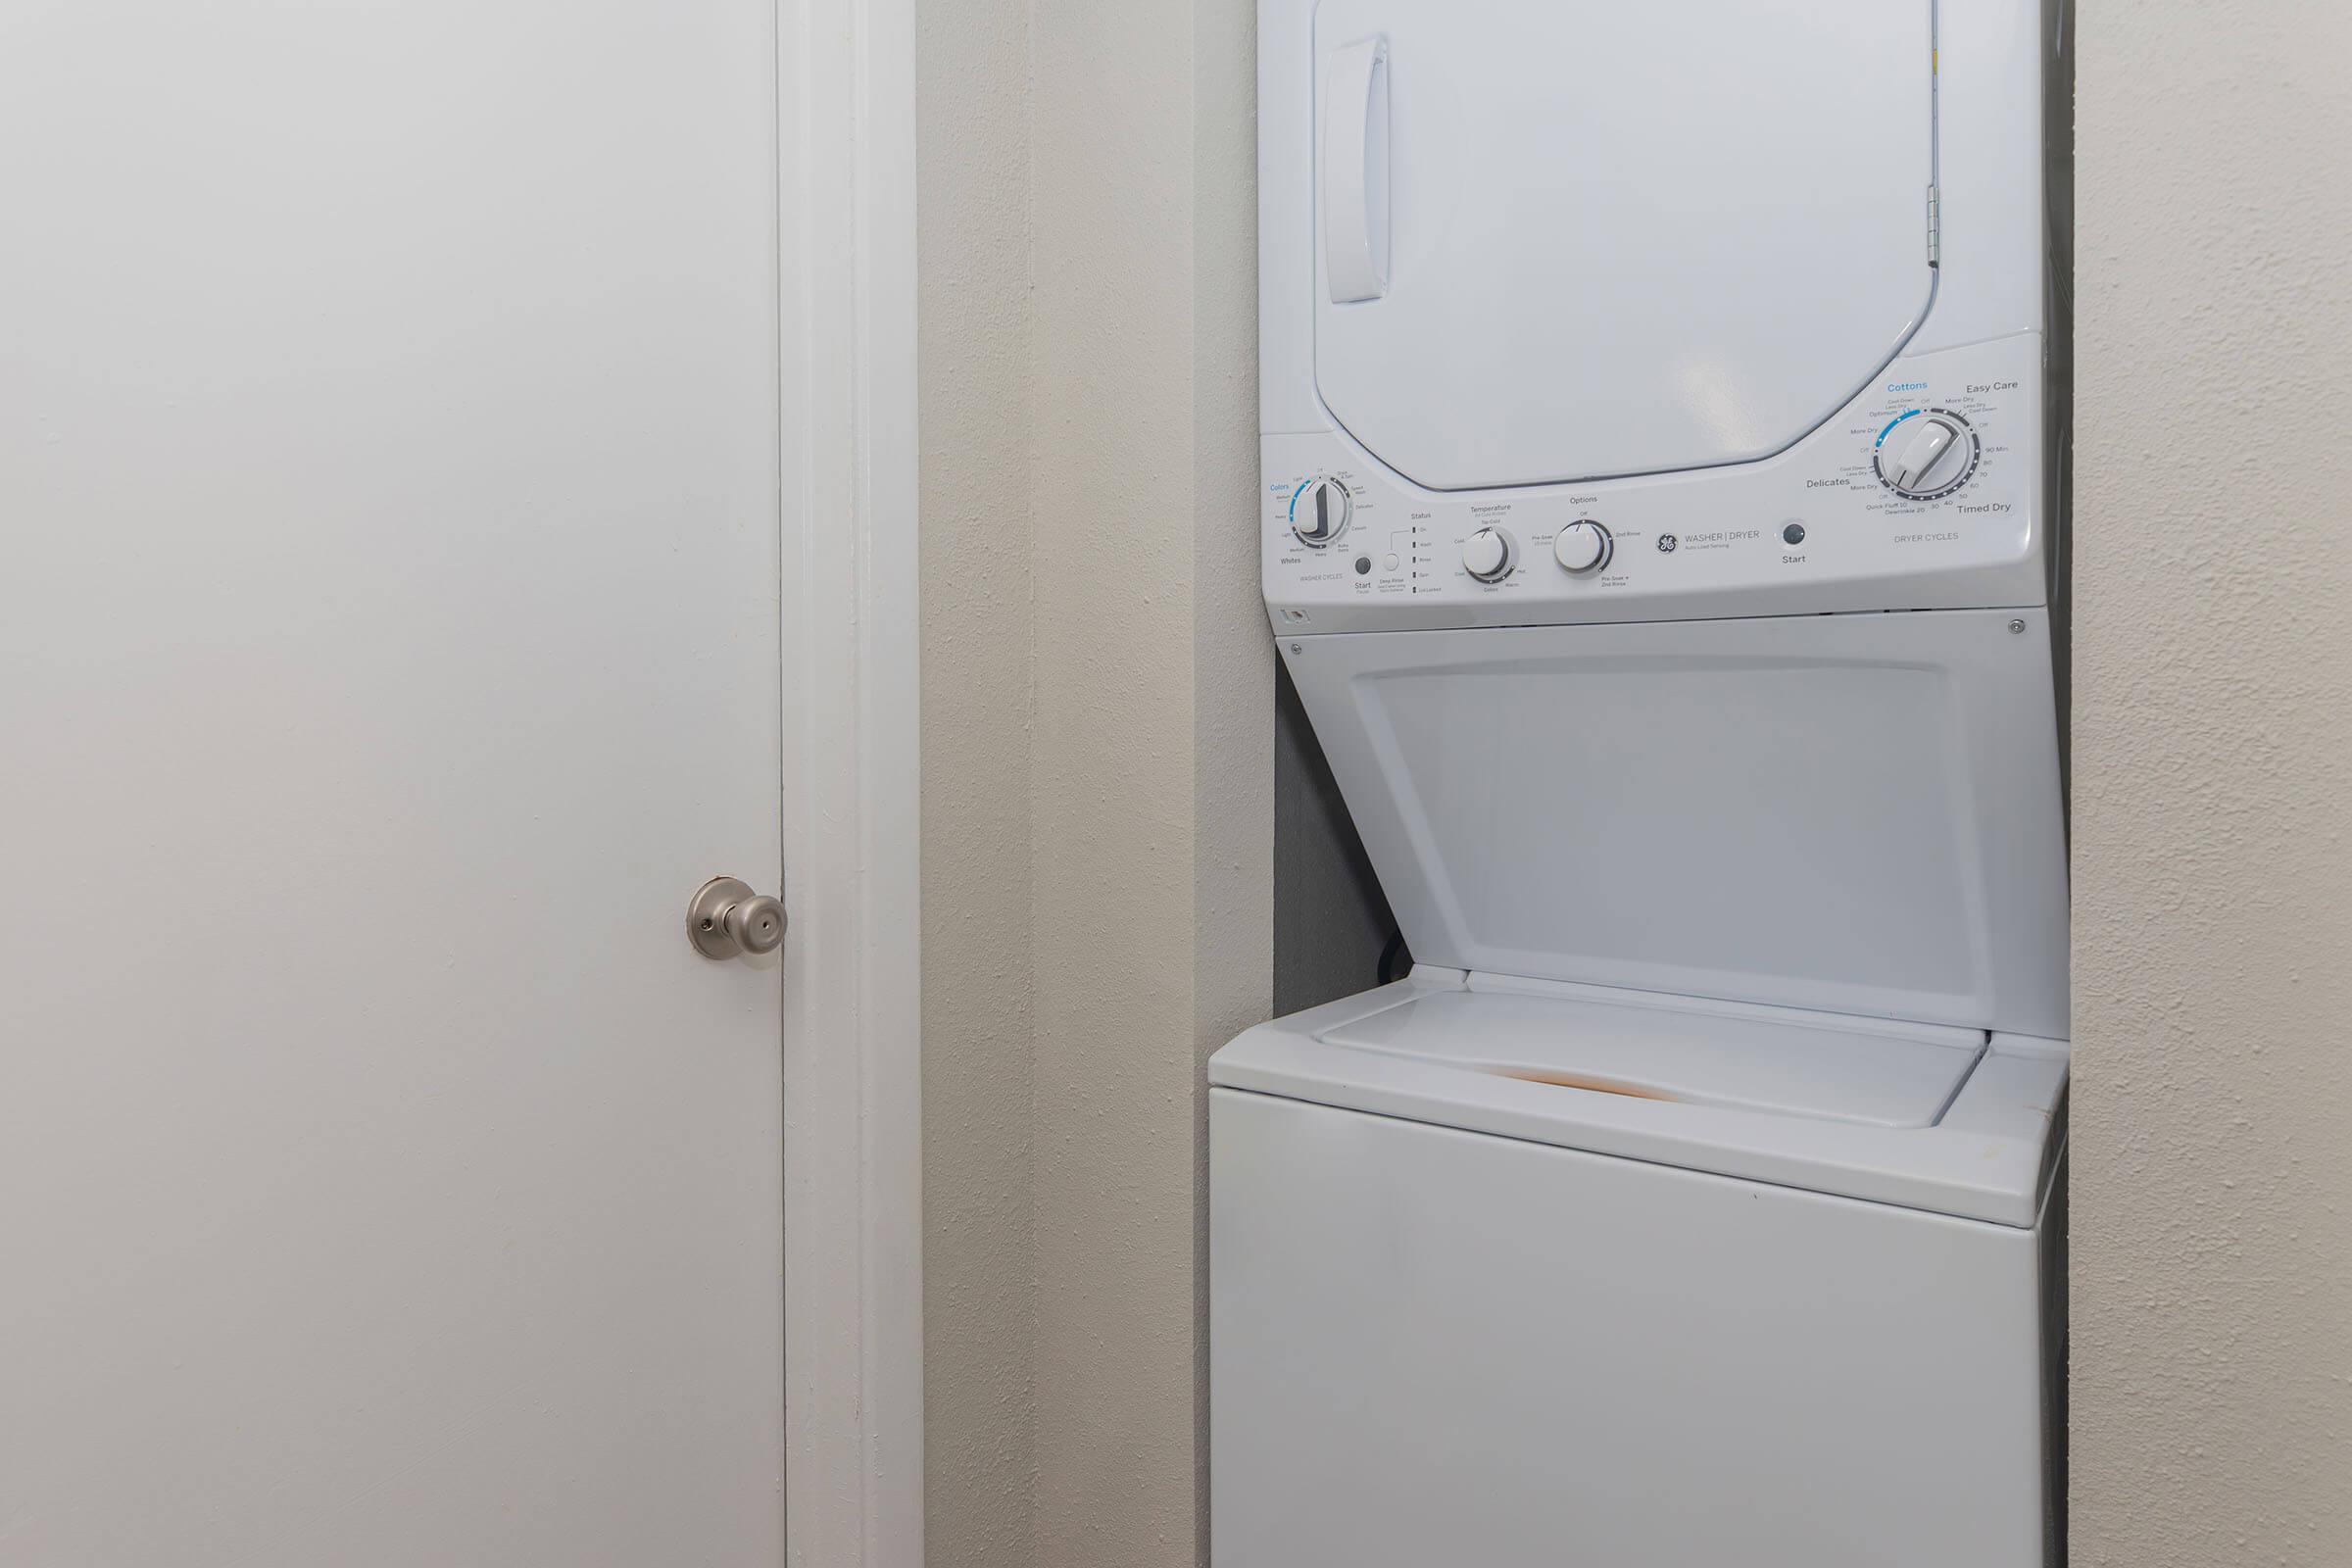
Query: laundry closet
1663	419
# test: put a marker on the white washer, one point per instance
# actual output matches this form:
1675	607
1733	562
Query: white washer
1659	523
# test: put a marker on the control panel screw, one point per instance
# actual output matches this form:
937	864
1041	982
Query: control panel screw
1297	647
2017	626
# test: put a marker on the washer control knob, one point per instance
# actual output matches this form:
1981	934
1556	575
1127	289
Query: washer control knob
1319	512
1927	454
1490	554
1583	546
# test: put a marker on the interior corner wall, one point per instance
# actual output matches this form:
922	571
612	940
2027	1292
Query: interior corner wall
1152	772
973	358
1097	743
2212	1185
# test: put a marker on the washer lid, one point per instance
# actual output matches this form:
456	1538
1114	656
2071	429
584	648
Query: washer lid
1854	813
1570	240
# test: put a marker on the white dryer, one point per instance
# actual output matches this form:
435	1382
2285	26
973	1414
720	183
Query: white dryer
1659	526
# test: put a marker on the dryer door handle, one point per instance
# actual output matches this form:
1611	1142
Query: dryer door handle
1356	172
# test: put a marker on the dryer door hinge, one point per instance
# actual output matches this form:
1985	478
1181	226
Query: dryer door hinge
1934	229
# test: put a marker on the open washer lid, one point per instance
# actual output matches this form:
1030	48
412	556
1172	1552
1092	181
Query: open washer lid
1854	813
1570	240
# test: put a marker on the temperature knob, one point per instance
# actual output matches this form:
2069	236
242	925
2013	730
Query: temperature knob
1319	512
1583	546
1490	554
1927	455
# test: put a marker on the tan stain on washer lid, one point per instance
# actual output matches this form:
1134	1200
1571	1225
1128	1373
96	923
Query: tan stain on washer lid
1569	1080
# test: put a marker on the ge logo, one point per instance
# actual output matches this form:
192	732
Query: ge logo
1666	544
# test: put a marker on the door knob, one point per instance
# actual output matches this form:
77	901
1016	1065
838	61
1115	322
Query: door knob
727	918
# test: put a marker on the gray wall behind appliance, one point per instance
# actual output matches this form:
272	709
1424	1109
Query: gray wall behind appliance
1331	920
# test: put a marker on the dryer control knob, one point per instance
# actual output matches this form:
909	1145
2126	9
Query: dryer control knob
1490	554
1927	456
1583	546
1319	512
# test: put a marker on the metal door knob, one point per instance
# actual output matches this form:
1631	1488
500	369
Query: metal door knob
727	918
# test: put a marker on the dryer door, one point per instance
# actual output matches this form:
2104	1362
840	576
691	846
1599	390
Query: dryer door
1572	239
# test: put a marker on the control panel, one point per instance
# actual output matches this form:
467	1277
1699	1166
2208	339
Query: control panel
1922	492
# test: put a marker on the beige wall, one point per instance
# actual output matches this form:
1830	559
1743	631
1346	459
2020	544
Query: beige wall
1098	752
2212	1398
978	596
1152	818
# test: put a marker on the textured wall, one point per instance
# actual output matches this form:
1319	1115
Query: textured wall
1233	648
1112	815
1097	753
972	109
1153	808
2212	1287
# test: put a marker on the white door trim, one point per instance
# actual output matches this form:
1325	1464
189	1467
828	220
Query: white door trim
853	1154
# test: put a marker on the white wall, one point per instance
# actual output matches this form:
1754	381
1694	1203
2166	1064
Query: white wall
1098	752
2212	1397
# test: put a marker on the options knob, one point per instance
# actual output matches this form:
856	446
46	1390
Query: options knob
1927	455
1319	512
1490	554
1583	546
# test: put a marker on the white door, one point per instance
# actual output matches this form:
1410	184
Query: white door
388	648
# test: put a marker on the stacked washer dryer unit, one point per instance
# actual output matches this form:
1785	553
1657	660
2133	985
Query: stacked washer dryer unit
1658	525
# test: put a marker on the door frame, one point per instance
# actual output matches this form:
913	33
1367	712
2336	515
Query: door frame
851	791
